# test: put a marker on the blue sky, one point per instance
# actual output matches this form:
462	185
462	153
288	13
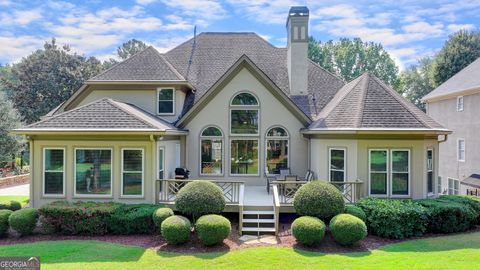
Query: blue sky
407	29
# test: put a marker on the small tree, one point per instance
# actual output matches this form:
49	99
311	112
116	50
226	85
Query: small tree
10	144
199	198
318	199
130	48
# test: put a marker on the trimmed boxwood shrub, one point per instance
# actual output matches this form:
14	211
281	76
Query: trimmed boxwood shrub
347	229
212	229
132	219
10	205
23	221
391	218
4	215
308	231
356	211
160	215
199	198
448	216
473	202
318	199
88	218
176	230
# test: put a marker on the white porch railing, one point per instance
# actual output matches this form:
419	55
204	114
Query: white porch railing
166	190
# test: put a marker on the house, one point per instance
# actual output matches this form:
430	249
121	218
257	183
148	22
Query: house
454	104
237	110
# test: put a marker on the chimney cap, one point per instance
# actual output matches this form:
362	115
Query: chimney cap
298	11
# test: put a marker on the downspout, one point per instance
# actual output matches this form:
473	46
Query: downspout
154	168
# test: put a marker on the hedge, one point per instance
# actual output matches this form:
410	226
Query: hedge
4	215
10	205
318	199
132	219
356	211
473	202
347	229
393	218
24	220
160	215
308	231
176	230
212	229
199	198
448	216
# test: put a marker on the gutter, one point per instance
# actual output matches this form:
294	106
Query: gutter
374	130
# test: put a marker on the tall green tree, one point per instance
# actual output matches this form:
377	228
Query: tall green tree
417	81
130	48
46	78
461	49
9	119
350	58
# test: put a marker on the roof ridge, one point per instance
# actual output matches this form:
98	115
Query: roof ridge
362	100
327	71
113	103
141	111
170	66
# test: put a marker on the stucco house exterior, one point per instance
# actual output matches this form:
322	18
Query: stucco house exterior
454	104
232	108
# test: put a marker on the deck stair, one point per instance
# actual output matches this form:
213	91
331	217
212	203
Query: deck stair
258	219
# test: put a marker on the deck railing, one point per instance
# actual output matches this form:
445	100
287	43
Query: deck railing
285	190
166	190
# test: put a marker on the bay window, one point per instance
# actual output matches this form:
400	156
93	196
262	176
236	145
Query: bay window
389	172
244	157
93	172
276	150
132	172
54	172
211	151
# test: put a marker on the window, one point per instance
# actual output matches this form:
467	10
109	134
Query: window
276	150
161	163
211	151
244	157
460	104
453	186
244	115
461	149
389	172
440	187
337	164
132	172
378	172
54	171
166	101
430	171
93	172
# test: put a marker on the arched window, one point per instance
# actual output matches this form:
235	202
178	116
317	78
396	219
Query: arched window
244	115
276	150
211	149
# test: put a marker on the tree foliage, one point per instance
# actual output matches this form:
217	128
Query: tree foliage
350	58
461	49
46	78
9	119
417	81
130	48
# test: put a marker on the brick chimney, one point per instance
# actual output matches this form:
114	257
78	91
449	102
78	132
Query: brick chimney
297	44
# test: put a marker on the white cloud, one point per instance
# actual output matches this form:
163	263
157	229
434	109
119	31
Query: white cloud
457	27
201	11
166	43
264	11
425	28
145	2
20	17
13	48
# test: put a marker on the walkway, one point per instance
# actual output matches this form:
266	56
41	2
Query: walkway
20	190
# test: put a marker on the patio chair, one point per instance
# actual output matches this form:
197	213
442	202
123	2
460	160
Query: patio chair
284	173
308	176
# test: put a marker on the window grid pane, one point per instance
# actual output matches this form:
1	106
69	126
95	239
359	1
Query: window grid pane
337	165
53	171
244	157
212	152
244	121
132	171
93	170
378	172
277	156
166	100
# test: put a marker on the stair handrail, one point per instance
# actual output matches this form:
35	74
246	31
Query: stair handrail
241	195
276	205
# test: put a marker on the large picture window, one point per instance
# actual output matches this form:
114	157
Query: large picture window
244	157
244	115
337	164
93	172
389	172
54	171
211	151
277	150
132	172
430	171
166	101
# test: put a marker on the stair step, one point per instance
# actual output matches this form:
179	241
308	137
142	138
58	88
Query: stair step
257	229
263	220
259	212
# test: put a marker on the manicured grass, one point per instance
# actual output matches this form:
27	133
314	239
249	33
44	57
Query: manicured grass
22	199
450	252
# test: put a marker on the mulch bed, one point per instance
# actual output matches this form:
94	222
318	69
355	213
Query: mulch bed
157	243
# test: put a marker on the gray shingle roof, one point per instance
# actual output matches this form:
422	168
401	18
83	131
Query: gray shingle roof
467	78
148	64
103	114
367	102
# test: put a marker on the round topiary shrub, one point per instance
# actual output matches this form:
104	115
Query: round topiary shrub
212	229
199	198
160	215
356	211
4	215
318	199
24	220
10	205
176	230
308	231
347	229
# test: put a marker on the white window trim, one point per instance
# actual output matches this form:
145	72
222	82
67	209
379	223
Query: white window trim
453	187
158	101
45	195
344	149
464	150
160	147
122	172
392	172
211	138
432	170
75	195
277	138
370	173
460	101
230	157
245	108
240	105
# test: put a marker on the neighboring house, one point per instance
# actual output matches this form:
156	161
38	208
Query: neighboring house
456	105
232	108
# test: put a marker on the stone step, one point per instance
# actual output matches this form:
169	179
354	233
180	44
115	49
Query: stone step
257	229
263	220
254	212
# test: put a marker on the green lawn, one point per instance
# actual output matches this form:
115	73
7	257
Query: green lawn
451	252
22	199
